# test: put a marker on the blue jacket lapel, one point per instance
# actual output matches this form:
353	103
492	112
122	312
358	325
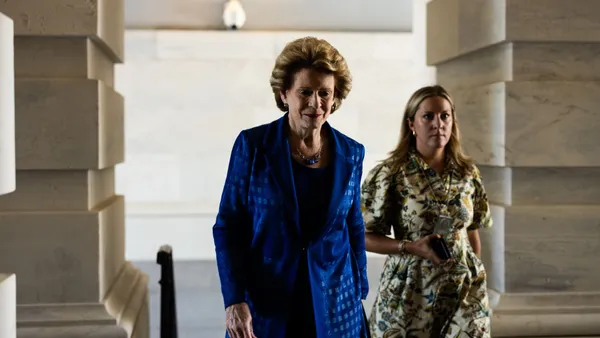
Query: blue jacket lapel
279	164
342	167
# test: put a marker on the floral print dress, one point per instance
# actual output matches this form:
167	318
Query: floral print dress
417	299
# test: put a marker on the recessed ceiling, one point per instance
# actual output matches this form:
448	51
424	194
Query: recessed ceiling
323	15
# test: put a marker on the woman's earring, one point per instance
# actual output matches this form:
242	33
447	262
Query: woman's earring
414	134
285	106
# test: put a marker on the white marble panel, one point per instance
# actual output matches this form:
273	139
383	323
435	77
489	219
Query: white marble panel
189	232
219	45
150	177
552	124
140	45
480	113
359	46
552	248
203	178
347	121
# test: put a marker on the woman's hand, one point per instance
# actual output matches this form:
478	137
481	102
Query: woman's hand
238	321
422	248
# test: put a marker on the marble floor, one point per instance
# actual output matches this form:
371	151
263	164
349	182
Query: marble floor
199	303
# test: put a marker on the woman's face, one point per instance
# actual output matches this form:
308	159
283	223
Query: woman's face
432	124
310	98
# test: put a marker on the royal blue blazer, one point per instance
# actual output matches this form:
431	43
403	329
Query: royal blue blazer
258	242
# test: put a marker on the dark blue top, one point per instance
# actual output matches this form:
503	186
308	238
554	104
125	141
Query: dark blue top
313	190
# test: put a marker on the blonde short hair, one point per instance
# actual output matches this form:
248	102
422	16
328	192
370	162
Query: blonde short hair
310	52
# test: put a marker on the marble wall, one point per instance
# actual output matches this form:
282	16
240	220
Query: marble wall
524	75
189	93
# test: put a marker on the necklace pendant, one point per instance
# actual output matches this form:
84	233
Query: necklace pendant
311	161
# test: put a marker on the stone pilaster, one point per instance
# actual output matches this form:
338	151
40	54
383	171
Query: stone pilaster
525	75
63	231
7	106
8	306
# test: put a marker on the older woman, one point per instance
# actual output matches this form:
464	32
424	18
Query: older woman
432	196
289	234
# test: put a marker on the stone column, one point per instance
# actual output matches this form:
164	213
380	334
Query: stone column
8	305
8	293
7	106
63	228
525	77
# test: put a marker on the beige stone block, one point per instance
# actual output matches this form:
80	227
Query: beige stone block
552	248
60	190
101	20
481	116
64	257
548	314
62	57
493	248
482	67
542	186
552	124
522	61
550	61
73	331
122	313
458	27
498	183
530	124
553	20
68	124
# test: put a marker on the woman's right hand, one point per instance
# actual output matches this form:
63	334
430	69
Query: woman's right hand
422	248
238	321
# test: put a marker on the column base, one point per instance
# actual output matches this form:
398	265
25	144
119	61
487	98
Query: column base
122	314
549	314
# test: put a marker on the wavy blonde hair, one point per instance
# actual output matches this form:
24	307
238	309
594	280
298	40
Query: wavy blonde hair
310	52
453	151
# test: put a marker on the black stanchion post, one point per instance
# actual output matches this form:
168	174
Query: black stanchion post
168	309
